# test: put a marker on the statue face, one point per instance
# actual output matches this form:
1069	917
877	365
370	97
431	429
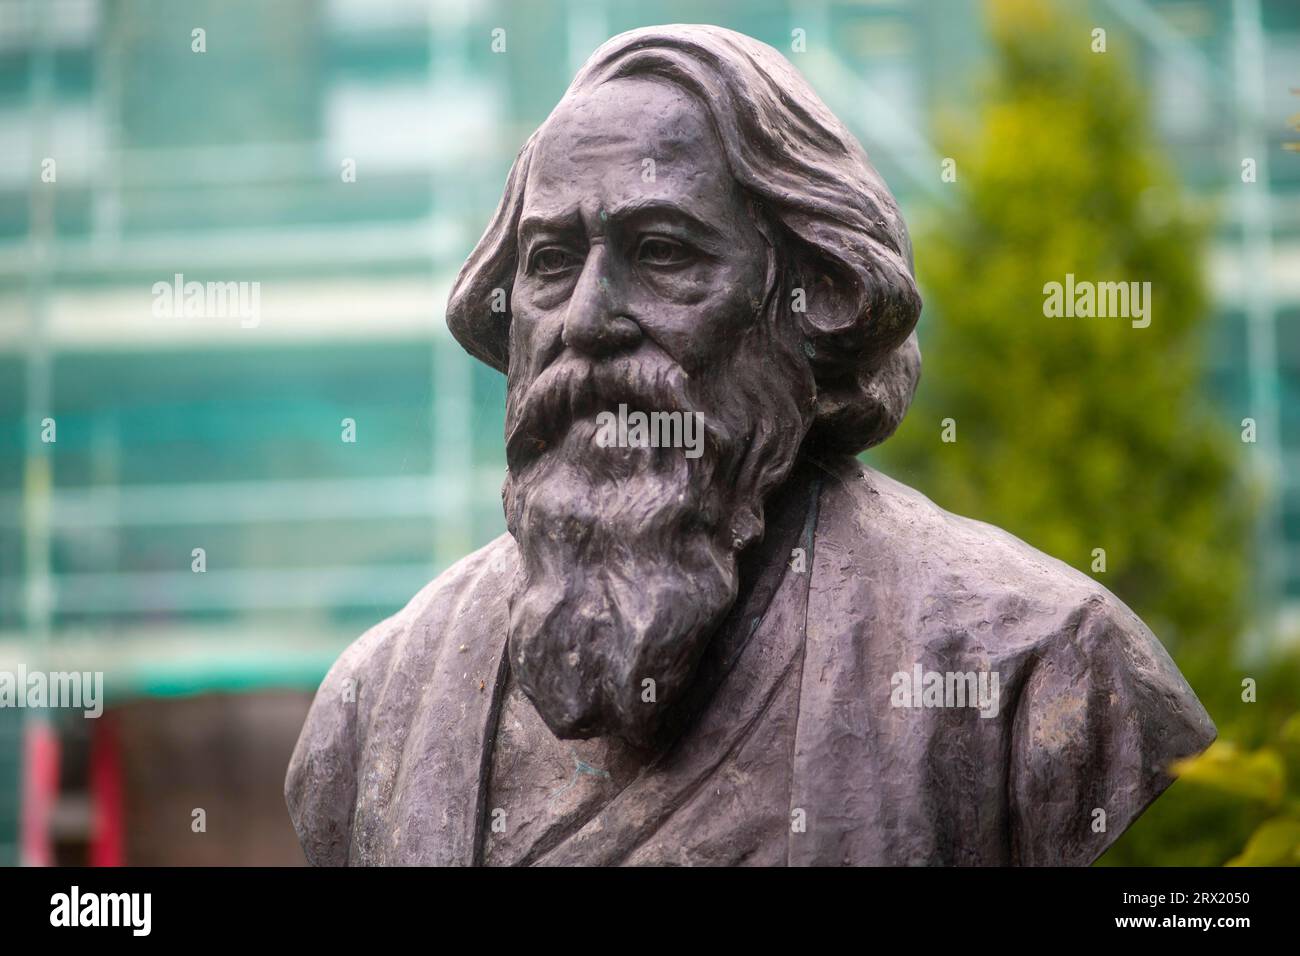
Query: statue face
644	290
633	229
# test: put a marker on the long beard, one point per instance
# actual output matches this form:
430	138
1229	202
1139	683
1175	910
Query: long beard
629	555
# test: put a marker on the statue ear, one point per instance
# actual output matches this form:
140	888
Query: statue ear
831	319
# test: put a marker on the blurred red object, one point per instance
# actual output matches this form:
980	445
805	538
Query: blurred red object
107	823
40	791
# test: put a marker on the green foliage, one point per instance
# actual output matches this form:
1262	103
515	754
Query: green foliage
1084	433
1267	780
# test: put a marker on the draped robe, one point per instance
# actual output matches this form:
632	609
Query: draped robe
792	748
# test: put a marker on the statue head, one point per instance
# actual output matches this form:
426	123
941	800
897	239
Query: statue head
691	237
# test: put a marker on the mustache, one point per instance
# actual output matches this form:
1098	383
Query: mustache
575	388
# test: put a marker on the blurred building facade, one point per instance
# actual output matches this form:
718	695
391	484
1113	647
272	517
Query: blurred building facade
345	155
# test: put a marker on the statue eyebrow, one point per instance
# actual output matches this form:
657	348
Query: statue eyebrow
532	224
641	207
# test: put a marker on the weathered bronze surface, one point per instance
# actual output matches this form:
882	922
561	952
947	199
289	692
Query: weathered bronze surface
719	638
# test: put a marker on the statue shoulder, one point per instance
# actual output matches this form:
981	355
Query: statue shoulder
942	569
1099	711
373	681
463	603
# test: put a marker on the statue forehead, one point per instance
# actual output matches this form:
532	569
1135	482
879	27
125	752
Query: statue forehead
630	137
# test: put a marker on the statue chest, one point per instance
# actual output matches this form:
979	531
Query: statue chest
551	800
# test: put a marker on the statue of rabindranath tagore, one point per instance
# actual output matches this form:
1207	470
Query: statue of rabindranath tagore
745	647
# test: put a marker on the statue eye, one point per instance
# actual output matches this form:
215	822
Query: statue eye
658	251
552	261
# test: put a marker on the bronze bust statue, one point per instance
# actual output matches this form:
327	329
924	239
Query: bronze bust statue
712	635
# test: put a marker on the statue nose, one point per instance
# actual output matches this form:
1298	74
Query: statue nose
594	325
601	335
